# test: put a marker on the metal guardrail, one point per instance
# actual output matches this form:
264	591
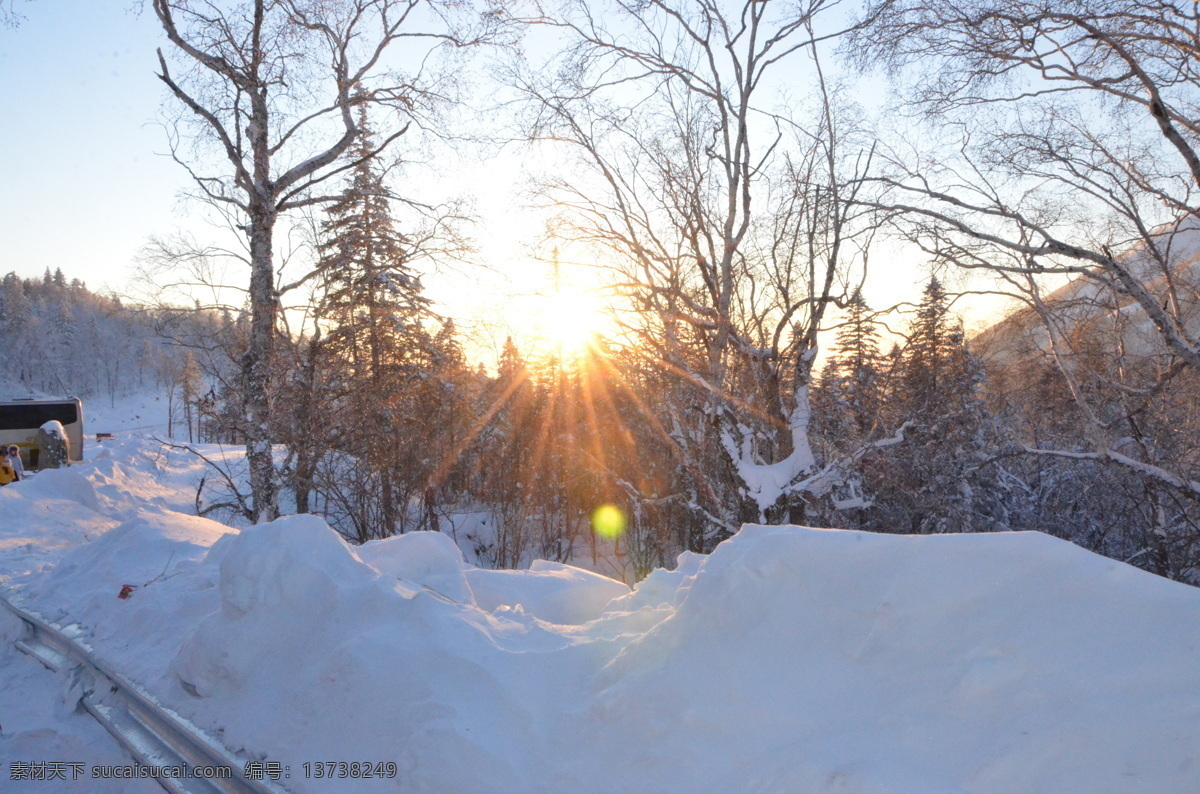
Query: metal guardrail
152	734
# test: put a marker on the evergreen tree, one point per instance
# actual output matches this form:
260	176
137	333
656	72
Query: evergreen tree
939	479
374	301
19	321
64	340
851	383
929	354
506	465
376	316
511	369
17	308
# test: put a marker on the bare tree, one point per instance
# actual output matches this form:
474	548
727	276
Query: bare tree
1069	146
727	223
1096	172
270	87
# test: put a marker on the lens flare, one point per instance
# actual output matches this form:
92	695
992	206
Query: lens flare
608	521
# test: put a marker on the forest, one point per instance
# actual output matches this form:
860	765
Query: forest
740	190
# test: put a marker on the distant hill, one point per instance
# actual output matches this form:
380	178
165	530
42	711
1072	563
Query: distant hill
1094	320
58	338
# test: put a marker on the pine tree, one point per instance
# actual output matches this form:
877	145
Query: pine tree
927	356
18	330
374	299
376	316
507	470
853	377
511	369
17	308
64	339
937	480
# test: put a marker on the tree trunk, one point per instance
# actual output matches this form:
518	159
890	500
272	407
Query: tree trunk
302	484
387	502
257	365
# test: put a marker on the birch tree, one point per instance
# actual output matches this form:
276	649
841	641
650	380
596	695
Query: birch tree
266	92
1068	151
1078	155
725	221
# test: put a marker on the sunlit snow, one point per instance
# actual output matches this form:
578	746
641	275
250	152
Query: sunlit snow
789	660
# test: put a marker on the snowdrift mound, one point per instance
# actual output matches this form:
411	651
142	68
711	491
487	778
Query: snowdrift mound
662	588
789	660
139	552
166	560
315	654
813	660
131	473
59	484
39	521
427	559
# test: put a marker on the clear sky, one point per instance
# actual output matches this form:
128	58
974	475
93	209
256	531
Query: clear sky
86	180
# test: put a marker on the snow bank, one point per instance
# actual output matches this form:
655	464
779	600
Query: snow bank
278	582
59	484
137	553
788	660
129	474
425	559
662	587
166	560
810	660
38	521
316	655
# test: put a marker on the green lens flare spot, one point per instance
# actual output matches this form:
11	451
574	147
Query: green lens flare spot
608	521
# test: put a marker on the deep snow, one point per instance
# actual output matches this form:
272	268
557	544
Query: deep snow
788	660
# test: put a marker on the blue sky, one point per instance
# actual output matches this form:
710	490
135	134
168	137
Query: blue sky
84	180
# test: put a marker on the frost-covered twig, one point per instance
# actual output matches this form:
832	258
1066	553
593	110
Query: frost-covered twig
1187	486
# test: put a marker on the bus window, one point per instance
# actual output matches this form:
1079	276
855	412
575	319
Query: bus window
20	416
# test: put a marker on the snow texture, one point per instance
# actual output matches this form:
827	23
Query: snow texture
791	659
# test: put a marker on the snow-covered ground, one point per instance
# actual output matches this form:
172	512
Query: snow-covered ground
789	660
142	413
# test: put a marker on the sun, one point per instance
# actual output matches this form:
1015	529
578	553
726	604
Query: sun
570	321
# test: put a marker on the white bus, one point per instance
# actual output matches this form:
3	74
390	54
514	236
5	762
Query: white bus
20	420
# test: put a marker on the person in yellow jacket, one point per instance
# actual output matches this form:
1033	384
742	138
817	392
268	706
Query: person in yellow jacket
7	474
